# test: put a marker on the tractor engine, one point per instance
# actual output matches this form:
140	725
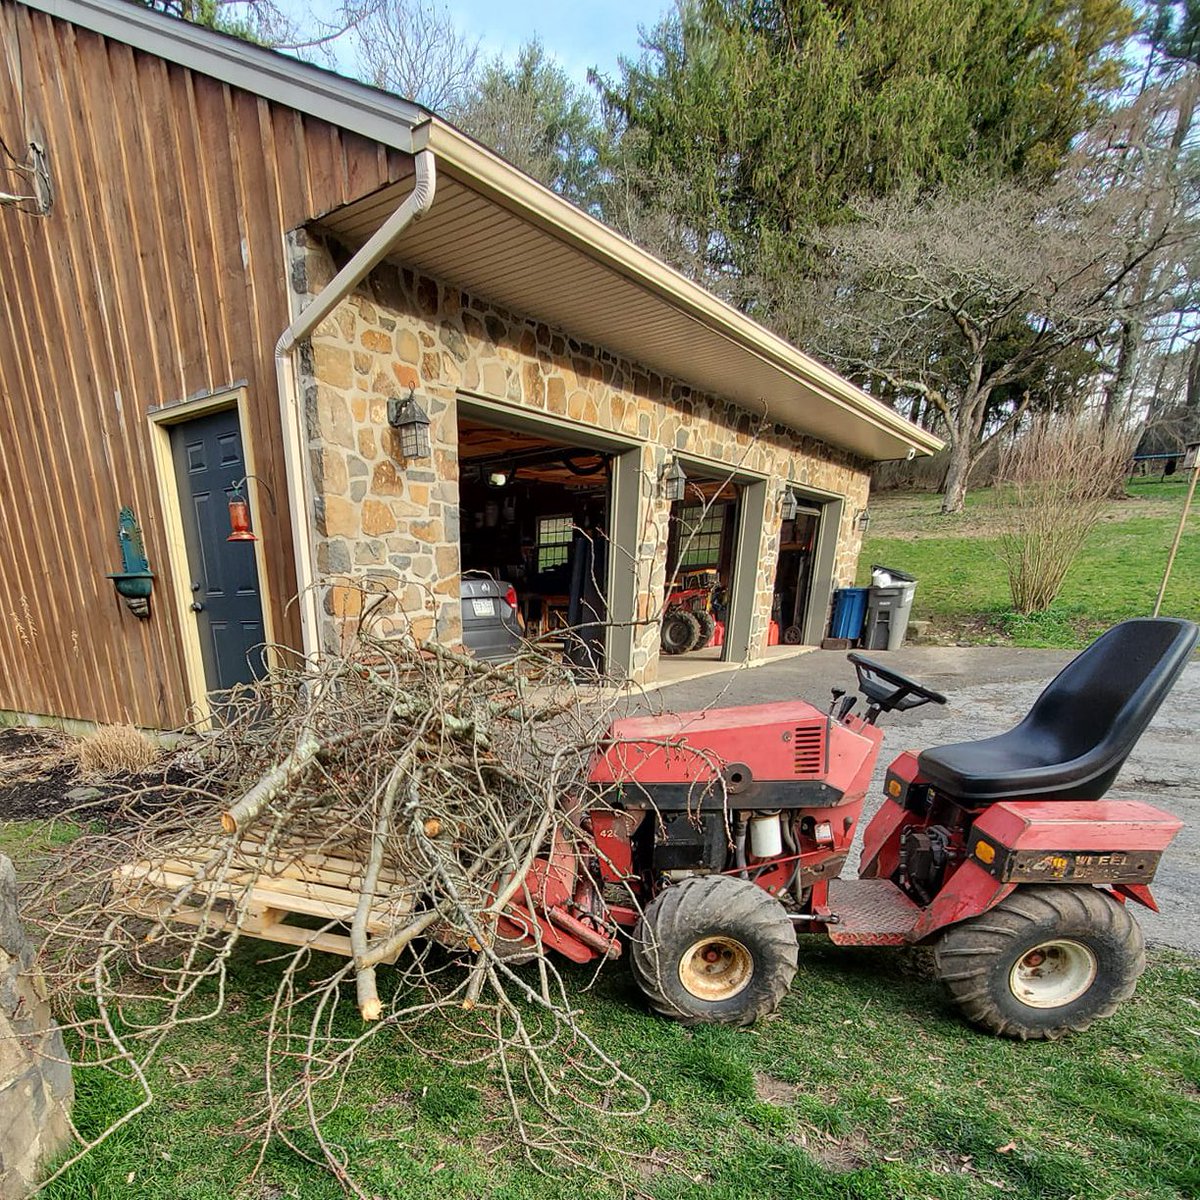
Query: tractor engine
771	792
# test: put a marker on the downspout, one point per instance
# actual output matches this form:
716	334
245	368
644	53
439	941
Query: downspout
295	434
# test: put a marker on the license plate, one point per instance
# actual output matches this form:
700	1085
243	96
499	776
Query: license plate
484	608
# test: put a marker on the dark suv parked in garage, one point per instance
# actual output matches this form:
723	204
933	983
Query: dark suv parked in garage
491	629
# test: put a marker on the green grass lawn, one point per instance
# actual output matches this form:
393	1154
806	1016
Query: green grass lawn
865	1085
963	584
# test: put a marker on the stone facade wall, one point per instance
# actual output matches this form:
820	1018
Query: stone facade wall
393	526
35	1078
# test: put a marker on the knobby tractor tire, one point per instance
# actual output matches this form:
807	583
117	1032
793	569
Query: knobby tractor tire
708	626
714	949
680	631
1045	961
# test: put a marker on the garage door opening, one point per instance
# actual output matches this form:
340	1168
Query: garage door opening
534	521
701	553
795	574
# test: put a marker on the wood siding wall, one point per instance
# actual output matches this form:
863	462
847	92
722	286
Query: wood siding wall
159	276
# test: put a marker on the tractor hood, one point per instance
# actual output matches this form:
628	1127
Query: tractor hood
743	748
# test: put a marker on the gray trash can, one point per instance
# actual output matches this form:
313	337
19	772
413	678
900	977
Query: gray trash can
888	608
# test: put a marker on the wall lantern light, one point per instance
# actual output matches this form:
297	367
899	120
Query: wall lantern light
789	506
134	581
863	520
672	481
498	479
409	419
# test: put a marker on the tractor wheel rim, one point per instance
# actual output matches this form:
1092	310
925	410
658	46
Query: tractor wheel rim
1052	974
716	968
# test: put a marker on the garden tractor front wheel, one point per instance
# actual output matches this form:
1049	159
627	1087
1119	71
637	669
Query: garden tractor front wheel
1045	961
714	949
708	626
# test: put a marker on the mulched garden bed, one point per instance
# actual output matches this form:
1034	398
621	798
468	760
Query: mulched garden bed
36	773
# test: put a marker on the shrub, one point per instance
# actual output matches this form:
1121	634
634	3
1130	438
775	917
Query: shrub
1057	479
115	750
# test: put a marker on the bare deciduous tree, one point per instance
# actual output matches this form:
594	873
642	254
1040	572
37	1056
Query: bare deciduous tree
270	23
960	299
416	50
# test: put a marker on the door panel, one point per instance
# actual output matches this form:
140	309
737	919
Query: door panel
209	460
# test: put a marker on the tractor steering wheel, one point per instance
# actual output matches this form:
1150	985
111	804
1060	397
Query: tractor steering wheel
888	690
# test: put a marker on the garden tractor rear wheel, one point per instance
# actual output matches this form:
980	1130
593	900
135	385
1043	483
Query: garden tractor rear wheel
714	949
680	631
1045	961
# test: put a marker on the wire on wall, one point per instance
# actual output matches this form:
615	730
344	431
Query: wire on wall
32	192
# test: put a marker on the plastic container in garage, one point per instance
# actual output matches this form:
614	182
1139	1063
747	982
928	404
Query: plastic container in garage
888	609
849	611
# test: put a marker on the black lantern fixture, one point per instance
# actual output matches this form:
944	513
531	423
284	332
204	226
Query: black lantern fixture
673	481
408	418
789	506
863	520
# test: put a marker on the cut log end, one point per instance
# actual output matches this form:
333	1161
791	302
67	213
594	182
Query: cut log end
228	824
372	1010
432	827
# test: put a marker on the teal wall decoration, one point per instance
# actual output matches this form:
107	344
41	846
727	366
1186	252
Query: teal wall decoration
134	581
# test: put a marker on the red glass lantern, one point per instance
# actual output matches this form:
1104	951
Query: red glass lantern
239	518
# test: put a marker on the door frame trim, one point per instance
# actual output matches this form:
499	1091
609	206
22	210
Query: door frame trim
162	421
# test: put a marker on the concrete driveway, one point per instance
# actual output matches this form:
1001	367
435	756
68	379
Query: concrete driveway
989	689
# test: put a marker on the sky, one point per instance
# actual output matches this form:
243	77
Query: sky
578	33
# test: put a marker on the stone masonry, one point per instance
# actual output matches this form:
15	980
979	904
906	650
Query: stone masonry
384	525
35	1078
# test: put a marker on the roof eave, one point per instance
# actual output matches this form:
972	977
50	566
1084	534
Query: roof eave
306	87
488	172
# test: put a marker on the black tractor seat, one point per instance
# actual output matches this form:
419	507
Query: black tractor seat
1081	729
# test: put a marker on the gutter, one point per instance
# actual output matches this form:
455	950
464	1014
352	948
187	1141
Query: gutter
295	436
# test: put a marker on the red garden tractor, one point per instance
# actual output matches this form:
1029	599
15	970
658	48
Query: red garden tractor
690	612
710	837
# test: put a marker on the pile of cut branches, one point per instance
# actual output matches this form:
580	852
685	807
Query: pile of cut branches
397	795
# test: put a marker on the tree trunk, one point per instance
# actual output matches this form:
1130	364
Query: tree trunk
1116	401
954	486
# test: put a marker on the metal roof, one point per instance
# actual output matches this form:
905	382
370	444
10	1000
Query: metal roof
498	233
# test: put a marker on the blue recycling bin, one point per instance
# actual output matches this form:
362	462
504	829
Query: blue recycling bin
849	612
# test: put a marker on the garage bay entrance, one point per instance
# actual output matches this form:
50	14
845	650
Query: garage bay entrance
794	575
535	517
701	557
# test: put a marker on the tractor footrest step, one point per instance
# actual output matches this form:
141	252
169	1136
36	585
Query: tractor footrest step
870	912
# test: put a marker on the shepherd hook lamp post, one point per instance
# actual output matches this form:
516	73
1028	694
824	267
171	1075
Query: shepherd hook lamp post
240	529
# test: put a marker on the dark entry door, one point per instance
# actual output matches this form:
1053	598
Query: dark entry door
224	576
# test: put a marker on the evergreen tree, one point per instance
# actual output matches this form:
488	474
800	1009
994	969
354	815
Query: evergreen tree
763	119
